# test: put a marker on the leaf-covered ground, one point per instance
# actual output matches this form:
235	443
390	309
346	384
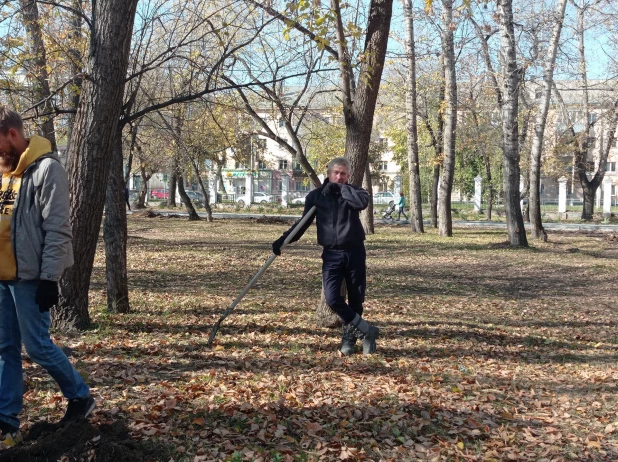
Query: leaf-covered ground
487	352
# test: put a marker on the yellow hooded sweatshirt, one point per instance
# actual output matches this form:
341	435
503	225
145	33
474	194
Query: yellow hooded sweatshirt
9	188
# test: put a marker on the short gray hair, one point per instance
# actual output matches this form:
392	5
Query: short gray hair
343	161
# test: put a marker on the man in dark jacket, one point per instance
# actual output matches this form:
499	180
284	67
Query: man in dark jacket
35	249
338	205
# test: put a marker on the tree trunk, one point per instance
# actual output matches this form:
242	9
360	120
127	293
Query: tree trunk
171	198
96	125
445	221
490	188
38	69
324	314
115	233
510	127
196	170
534	200
416	204
185	198
76	67
435	185
359	108
367	214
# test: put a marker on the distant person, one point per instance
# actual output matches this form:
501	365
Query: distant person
35	249
402	204
341	234
126	198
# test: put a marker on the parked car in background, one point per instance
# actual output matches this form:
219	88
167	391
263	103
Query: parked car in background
195	196
298	200
159	194
383	198
258	197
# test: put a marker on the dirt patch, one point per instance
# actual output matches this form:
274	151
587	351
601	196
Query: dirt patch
82	441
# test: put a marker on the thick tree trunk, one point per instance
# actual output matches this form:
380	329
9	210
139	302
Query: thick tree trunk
445	221
510	127
534	200
490	189
206	195
367	214
38	69
95	127
359	108
416	204
115	233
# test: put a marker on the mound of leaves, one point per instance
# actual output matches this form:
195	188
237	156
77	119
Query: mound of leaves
81	441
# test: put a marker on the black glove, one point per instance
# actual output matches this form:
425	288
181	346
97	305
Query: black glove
46	295
331	188
277	245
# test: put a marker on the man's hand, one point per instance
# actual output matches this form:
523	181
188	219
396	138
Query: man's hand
331	188
277	245
46	295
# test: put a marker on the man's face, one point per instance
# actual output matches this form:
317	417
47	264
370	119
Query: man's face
338	174
9	156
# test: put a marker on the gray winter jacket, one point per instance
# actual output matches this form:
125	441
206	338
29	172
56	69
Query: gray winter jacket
40	228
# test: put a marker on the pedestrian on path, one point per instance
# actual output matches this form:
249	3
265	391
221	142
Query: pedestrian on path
338	206
35	249
402	203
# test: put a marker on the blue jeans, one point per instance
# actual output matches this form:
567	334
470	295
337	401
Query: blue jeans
350	265
20	319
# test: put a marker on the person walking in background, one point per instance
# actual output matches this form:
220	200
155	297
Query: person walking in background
402	204
35	249
340	232
126	198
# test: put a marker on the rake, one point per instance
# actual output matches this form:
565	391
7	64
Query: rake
259	274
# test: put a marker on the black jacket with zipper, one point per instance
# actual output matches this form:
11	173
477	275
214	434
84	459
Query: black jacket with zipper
337	216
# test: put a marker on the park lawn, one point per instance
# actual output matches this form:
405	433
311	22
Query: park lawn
487	352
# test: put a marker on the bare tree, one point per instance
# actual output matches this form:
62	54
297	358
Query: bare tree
416	205
96	123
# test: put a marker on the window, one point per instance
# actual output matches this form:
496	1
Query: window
281	122
538	94
296	166
592	142
592	118
382	143
613	193
283	165
301	186
239	165
262	165
590	166
610	167
613	143
542	188
382	165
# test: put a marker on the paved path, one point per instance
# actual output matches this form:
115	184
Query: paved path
456	223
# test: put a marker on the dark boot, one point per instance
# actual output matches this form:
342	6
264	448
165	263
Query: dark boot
369	341
360	329
348	342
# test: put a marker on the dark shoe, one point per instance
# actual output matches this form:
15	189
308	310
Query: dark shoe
9	435
348	342
369	340
78	408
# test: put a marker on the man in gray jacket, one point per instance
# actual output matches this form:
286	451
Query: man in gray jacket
35	249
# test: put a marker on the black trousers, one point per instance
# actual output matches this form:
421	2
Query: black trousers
348	265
